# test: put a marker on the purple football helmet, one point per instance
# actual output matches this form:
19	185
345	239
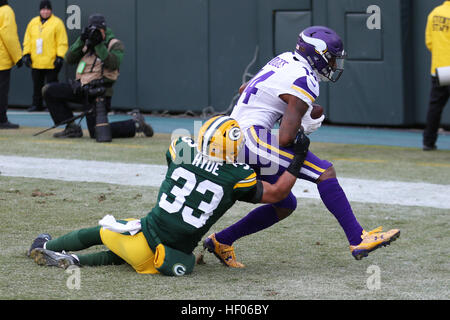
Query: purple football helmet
324	50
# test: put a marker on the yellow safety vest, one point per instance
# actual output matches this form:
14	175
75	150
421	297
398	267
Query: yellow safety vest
10	50
437	36
44	41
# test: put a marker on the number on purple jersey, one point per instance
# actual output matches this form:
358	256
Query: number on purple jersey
251	87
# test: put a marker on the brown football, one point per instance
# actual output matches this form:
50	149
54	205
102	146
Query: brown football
317	111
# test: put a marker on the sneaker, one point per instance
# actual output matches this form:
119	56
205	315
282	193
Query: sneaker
71	131
373	240
44	257
39	242
429	148
223	252
8	125
141	125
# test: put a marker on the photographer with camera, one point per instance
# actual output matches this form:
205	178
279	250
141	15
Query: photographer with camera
98	55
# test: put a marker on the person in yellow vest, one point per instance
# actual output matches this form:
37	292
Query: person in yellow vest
10	56
437	40
44	46
98	55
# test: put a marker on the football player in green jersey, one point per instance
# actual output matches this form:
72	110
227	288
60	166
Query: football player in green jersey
202	182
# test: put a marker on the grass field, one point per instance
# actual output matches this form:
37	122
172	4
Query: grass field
303	257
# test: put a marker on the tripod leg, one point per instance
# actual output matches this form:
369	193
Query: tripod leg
80	116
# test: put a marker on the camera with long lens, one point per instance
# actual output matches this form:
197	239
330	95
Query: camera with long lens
93	37
96	90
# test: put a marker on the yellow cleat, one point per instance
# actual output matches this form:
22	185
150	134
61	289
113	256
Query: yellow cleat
223	252
373	240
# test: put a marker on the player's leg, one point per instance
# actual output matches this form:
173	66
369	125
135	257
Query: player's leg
45	250
333	196
256	220
76	240
72	241
336	201
63	260
264	154
259	218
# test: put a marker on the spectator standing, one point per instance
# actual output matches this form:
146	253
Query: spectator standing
44	47
10	55
437	40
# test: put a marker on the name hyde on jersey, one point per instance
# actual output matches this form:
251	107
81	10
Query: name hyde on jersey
204	163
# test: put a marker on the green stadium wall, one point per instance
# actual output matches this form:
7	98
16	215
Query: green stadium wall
191	55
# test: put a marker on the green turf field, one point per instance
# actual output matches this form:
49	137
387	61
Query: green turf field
305	256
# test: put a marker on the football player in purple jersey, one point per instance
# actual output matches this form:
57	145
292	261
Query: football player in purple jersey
285	88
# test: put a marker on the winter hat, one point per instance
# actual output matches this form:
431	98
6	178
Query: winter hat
97	20
45	4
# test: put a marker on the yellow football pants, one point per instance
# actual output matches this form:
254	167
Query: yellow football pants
133	249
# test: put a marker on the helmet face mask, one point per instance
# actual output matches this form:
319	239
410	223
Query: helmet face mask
220	139
324	51
335	67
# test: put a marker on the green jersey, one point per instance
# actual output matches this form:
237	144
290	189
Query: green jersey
196	192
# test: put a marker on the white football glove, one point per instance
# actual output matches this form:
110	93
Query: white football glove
309	124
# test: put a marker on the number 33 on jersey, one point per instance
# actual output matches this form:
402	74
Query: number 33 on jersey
196	193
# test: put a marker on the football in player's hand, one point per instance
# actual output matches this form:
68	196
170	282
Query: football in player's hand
317	111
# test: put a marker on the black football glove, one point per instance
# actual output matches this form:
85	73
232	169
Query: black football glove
300	147
301	143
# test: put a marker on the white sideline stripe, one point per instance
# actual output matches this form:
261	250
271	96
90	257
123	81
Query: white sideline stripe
357	190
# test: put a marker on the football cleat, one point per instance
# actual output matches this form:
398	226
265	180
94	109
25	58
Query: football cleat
220	139
44	257
373	240
223	252
39	242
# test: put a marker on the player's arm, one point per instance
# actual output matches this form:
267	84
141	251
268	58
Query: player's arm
273	193
292	119
264	192
242	87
